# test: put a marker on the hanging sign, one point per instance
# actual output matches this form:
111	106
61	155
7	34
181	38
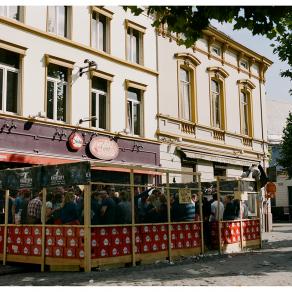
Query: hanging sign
21	178
185	196
104	148
66	174
271	190
75	141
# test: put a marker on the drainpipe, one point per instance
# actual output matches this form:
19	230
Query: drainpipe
267	210
157	83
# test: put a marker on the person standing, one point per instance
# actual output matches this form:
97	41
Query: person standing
68	213
124	211
108	209
215	209
229	210
34	209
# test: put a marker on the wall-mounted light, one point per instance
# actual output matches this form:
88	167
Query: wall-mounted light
92	118
90	65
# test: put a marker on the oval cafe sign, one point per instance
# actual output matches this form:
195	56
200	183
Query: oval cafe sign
103	148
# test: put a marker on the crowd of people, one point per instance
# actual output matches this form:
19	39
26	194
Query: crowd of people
108	206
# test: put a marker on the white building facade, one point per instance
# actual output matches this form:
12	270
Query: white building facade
63	64
211	112
199	109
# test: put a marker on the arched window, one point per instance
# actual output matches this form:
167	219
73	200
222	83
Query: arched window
216	103
186	74
185	92
245	107
217	77
244	104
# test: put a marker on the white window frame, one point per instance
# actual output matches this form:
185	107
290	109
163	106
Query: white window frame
132	102
6	68
6	11
96	23
244	114
55	100
130	45
182	92
98	92
214	96
56	22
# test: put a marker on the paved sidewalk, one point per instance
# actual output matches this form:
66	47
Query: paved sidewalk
269	266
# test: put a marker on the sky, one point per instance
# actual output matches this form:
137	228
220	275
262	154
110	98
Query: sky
277	87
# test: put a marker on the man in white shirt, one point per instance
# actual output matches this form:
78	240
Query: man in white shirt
214	209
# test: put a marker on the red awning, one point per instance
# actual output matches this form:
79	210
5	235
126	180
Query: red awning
33	159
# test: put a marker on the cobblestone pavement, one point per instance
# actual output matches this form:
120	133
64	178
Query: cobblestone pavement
269	266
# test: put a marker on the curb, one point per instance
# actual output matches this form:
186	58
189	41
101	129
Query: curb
6	270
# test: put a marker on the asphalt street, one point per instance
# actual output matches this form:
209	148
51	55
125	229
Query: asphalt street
270	266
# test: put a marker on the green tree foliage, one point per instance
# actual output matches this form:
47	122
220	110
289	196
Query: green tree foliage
274	22
285	159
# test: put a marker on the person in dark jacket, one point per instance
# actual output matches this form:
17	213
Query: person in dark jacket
69	214
124	211
162	210
95	208
108	209
229	210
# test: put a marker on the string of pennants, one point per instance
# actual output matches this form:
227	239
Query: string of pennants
45	176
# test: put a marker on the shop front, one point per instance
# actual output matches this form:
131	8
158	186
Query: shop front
172	227
28	142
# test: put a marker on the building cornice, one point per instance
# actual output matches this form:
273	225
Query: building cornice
222	37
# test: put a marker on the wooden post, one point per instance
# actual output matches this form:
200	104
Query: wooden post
218	217
87	229
240	214
132	182
43	220
201	214
168	215
5	226
258	207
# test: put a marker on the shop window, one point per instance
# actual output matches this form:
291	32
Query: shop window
13	12
189	167
99	103
219	169
57	92
134	43
290	196
9	81
100	29
58	21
